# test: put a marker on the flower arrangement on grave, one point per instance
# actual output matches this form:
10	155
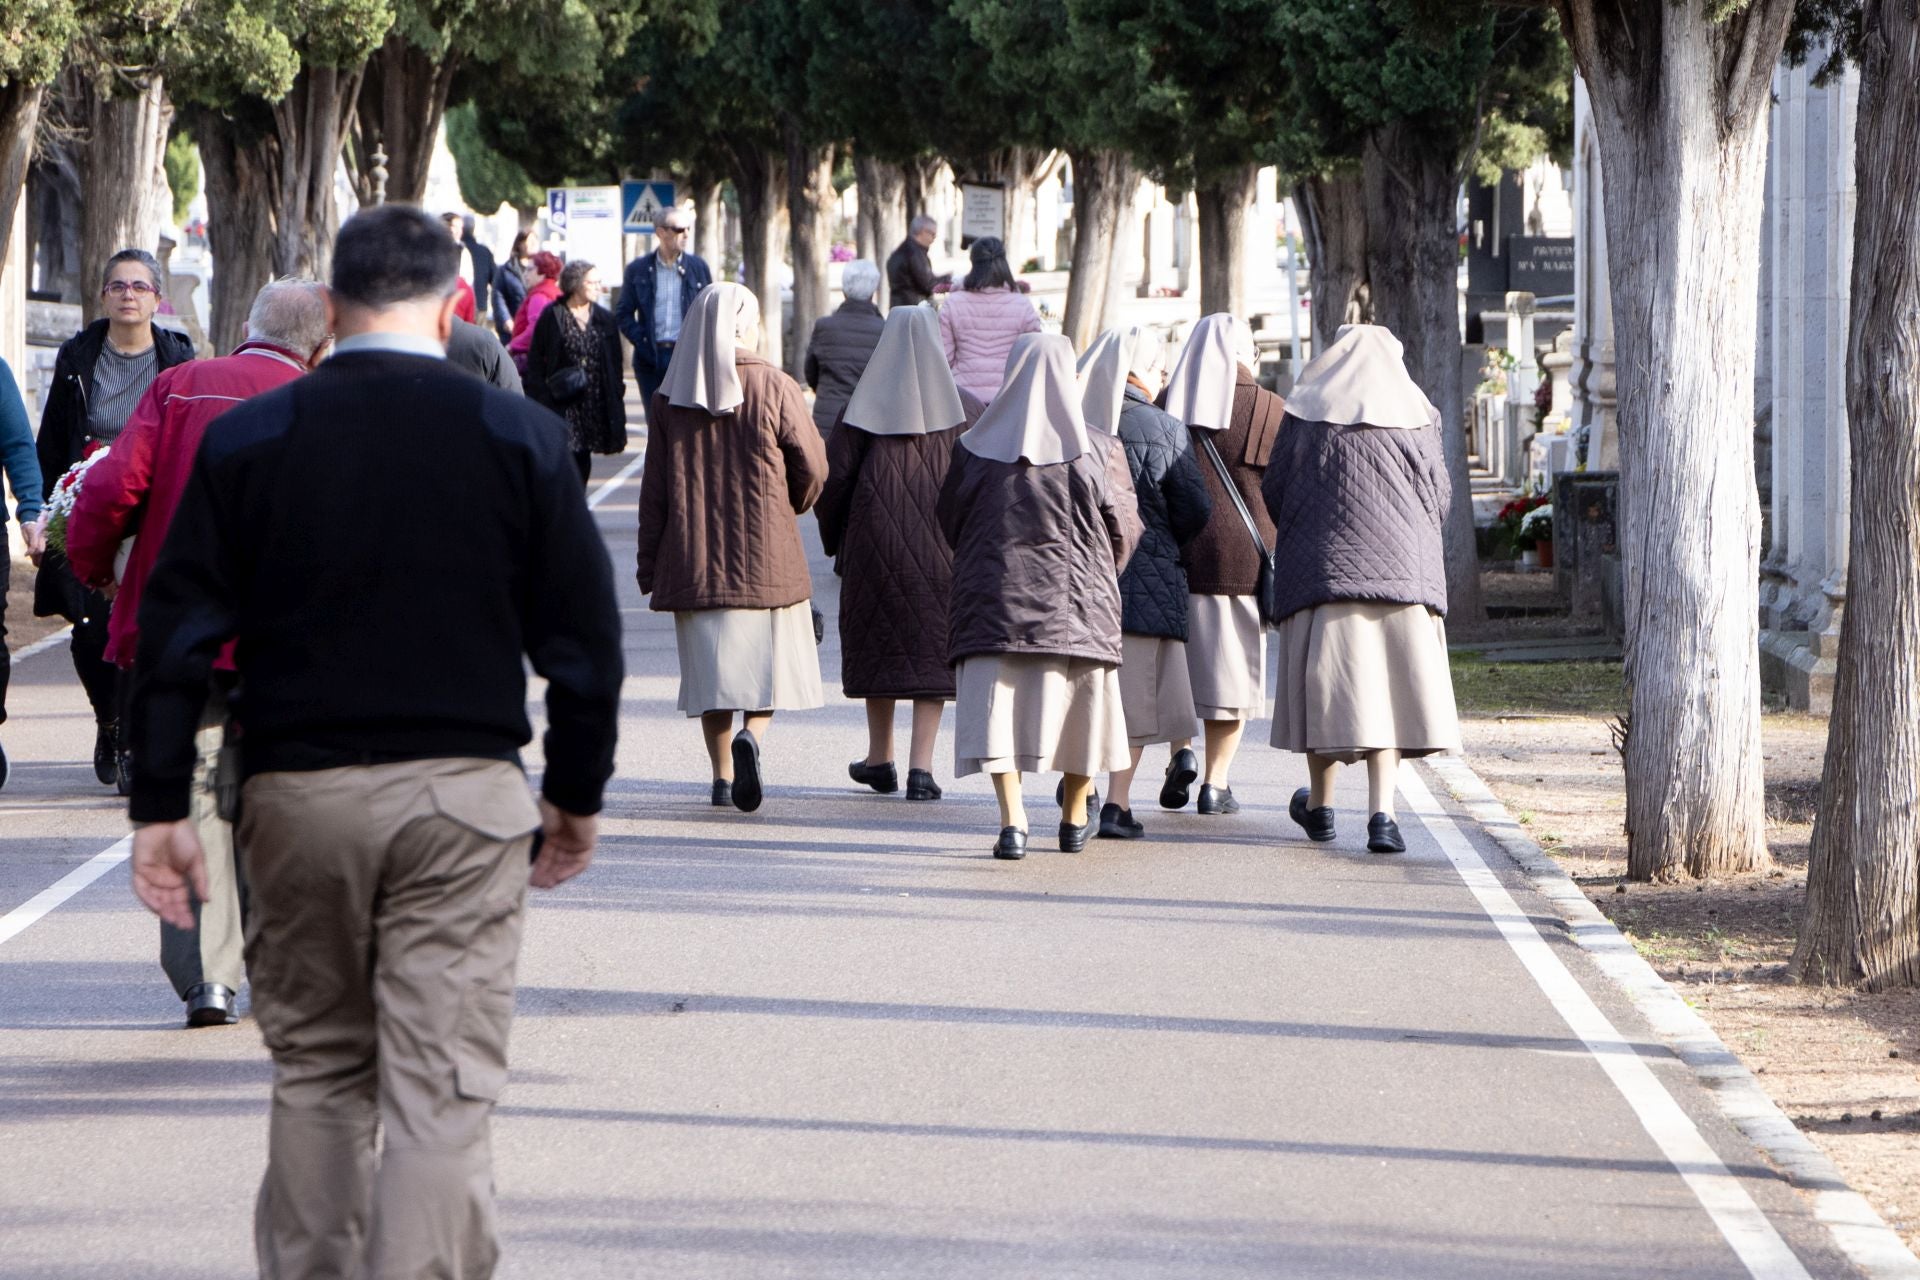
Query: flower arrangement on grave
66	492
1510	524
1536	527
1493	374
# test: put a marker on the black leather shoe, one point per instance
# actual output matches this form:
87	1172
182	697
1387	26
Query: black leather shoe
921	786
1317	823
1012	844
1074	839
881	777
722	794
1383	835
123	773
106	762
746	772
1181	771
1118	824
212	1005
1217	800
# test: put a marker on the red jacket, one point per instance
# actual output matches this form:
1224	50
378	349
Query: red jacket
137	486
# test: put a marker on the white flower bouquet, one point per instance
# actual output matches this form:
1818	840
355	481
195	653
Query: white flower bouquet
66	492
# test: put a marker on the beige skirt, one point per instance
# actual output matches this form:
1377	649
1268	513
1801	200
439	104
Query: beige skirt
1227	657
1037	713
748	659
1358	677
1156	691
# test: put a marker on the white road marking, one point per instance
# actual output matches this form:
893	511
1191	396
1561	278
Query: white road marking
43	644
619	478
17	920
1752	1237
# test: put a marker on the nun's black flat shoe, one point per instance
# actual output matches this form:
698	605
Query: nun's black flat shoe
1060	796
1217	800
1012	844
881	777
722	794
1383	835
921	786
1118	824
1181	771
1074	839
1317	823
746	772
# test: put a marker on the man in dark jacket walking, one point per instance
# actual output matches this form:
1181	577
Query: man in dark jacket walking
655	295
910	278
385	823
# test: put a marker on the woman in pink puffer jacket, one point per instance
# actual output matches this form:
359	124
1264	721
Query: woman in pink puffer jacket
980	321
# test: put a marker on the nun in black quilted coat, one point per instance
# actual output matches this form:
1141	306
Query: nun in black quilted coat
887	460
1358	490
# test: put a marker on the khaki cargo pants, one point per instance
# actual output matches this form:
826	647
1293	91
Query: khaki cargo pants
386	905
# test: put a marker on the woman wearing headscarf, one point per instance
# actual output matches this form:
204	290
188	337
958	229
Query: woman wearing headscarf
982	318
1042	518
887	459
732	459
1120	374
1358	491
1232	420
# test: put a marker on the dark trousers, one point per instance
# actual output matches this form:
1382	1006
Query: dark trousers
211	951
650	376
100	678
583	460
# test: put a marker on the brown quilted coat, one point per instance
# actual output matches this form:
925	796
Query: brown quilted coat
719	497
1221	560
896	569
1037	552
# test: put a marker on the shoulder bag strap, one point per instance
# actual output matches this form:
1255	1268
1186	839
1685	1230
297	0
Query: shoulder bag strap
1233	491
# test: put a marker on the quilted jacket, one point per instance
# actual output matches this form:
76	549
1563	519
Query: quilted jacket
719	497
1358	512
896	569
977	331
1173	508
1221	560
1038	551
837	355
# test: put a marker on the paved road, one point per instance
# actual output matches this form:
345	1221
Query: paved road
835	1039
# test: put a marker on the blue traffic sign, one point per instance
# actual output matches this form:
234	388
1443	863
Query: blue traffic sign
641	203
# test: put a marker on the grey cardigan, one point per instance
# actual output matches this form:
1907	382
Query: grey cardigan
1357	512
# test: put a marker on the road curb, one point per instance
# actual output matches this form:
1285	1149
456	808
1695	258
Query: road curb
1862	1234
41	645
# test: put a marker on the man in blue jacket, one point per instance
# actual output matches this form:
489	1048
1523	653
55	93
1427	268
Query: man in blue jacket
22	469
655	295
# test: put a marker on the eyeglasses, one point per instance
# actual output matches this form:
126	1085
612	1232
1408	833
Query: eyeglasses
121	288
679	231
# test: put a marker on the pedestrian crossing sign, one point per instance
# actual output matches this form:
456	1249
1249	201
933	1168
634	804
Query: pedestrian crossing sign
641	203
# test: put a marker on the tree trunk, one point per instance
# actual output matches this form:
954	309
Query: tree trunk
1862	922
1333	216
883	212
1679	104
810	206
312	123
760	183
402	100
19	116
1223	201
1103	186
709	219
124	199
239	165
917	179
1413	265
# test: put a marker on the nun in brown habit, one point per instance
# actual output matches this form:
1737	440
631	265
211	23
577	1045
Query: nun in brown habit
1358	491
1041	515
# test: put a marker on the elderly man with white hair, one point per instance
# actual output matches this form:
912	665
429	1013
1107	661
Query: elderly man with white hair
843	342
138	486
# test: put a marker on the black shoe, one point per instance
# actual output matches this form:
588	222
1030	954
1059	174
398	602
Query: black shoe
921	786
722	794
123	773
1012	844
1217	800
881	777
212	1005
1317	823
746	772
106	753
1118	824
1074	839
1060	796
1181	771
1383	835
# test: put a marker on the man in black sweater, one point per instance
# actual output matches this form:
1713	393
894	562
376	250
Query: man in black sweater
386	538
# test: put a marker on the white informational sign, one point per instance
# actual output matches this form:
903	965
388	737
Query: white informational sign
586	225
983	211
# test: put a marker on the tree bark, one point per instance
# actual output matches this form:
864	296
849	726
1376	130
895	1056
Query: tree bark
883	212
402	100
1222	202
759	182
124	198
1103	186
810	208
918	176
239	165
19	116
709	219
1413	263
1679	103
1333	217
1862	922
312	122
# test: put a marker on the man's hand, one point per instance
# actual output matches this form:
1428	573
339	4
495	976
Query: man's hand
568	847
167	861
36	536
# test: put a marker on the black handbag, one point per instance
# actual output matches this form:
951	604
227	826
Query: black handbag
567	384
1263	585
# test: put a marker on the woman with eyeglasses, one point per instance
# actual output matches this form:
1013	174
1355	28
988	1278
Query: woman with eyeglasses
99	375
